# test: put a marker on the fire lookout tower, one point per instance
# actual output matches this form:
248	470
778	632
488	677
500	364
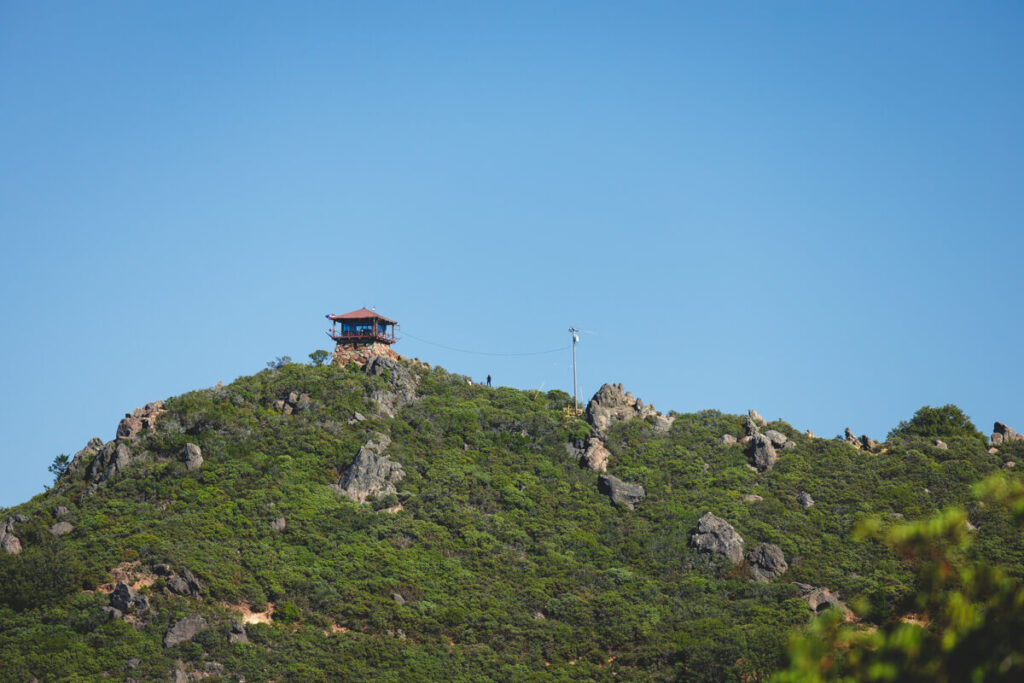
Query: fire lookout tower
361	328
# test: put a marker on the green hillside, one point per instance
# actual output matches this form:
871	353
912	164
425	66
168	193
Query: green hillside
490	553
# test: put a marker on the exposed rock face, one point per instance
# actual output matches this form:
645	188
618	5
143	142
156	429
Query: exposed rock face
819	598
595	457
756	418
623	494
401	385
810	434
764	453
279	524
728	439
61	528
752	498
140	419
1001	433
75	467
715	535
295	403
804	499
111	459
192	456
124	598
10	543
662	423
777	438
184	630
345	354
851	439
113	456
613	404
61	511
398	598
867	443
766	562
939	443
372	473
237	633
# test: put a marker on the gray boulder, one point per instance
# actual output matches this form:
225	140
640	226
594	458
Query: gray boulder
372	473
401	385
184	630
76	468
595	457
777	438
61	528
237	633
398	598
804	499
61	511
766	562
185	583
613	404
819	598
756	418
192	456
940	444
112	458
662	423
124	598
751	426
727	439
623	494
764	453
279	524
715	535
295	403
1004	433
10	543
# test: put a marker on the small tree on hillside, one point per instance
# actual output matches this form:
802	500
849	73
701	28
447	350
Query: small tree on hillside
947	421
279	362
59	467
319	357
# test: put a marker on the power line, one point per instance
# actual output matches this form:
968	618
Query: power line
484	353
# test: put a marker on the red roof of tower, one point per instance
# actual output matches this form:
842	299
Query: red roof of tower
361	314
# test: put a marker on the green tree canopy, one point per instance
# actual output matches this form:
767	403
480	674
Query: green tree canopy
945	422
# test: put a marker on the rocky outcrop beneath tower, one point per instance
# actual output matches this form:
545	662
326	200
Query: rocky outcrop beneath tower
361	354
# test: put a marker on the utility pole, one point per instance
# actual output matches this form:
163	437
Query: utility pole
575	399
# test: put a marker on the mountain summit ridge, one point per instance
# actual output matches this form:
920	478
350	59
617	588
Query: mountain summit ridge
522	540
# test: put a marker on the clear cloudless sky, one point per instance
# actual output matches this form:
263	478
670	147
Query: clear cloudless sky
812	209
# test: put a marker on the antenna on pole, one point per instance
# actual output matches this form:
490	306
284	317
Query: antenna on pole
575	398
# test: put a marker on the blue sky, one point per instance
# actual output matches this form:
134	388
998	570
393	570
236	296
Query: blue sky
811	209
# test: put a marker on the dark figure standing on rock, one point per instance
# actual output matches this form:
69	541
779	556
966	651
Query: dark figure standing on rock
488	380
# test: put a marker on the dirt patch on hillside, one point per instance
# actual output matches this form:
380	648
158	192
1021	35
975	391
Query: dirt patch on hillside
131	573
250	617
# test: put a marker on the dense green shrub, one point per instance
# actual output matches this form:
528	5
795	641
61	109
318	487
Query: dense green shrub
945	422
